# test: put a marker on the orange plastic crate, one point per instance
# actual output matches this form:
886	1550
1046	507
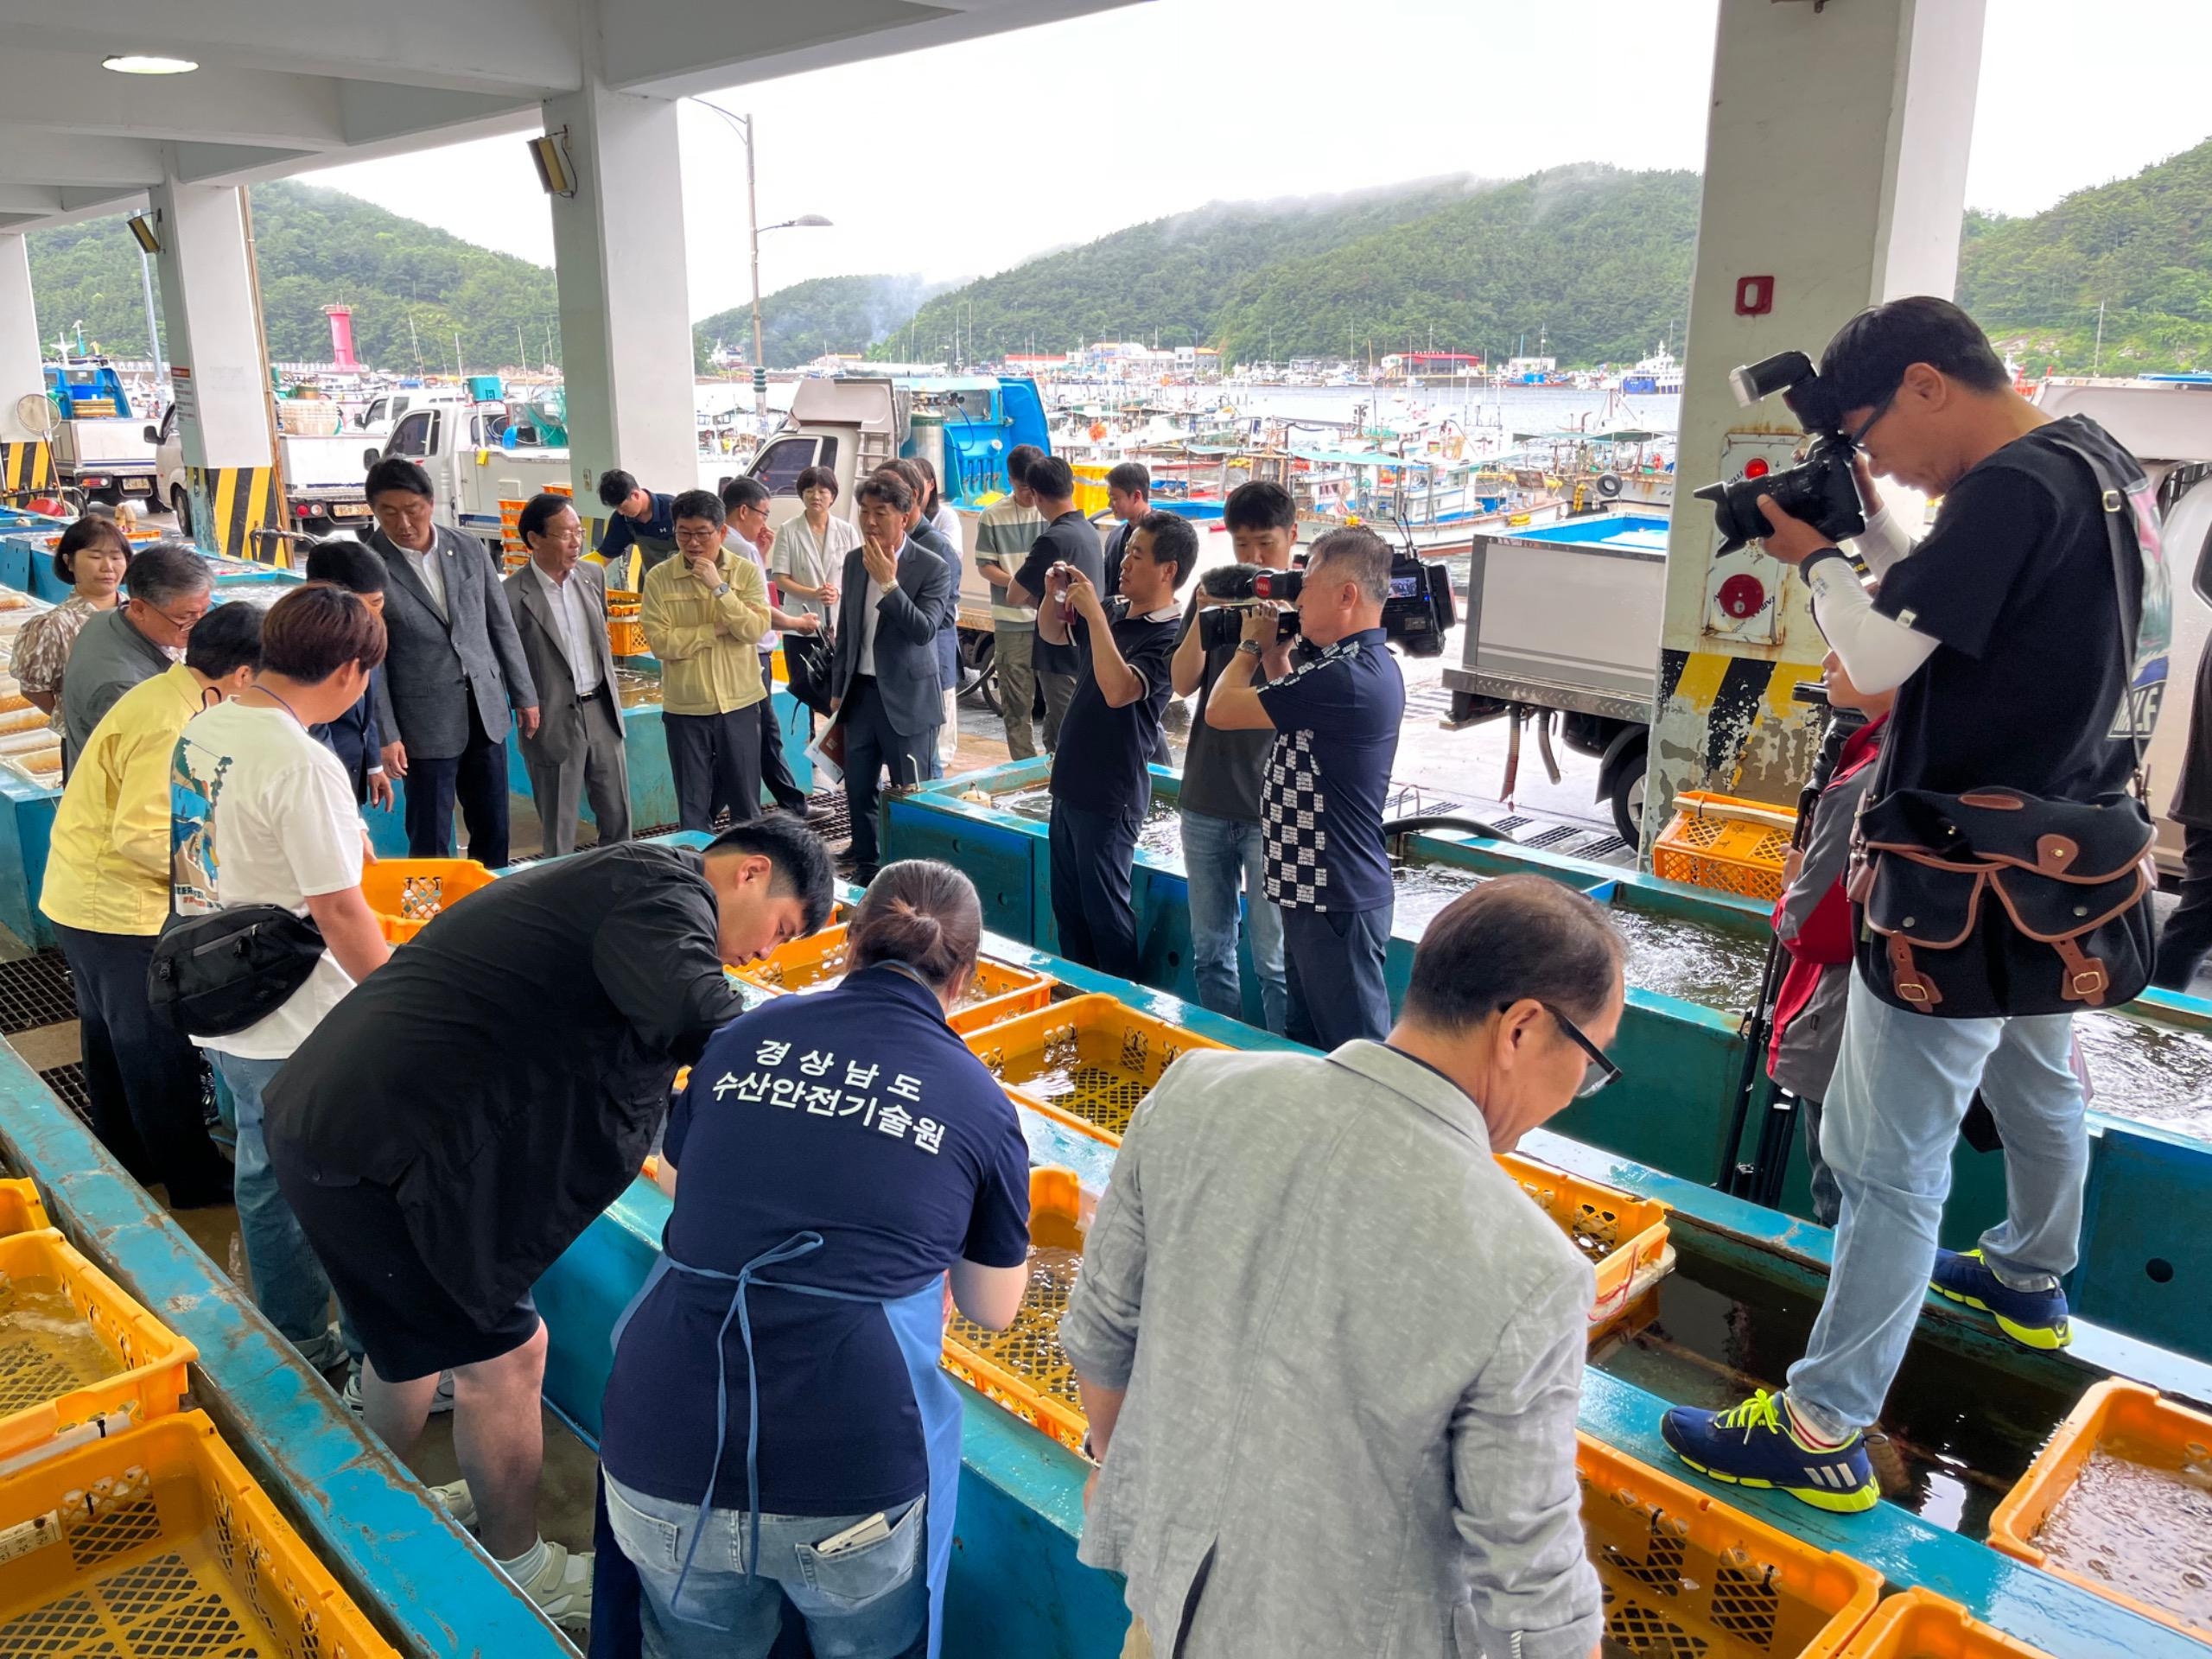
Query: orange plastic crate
1921	1624
1680	1568
407	893
156	1544
1723	843
1624	1237
1023	1368
22	1211
1091	1057
625	634
2122	1419
40	1392
996	993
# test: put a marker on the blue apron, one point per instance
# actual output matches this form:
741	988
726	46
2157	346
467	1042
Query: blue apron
918	1322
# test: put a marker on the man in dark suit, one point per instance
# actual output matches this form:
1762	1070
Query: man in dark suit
354	736
452	663
559	605
884	687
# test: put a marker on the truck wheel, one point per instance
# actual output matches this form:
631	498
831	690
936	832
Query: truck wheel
1627	794
180	505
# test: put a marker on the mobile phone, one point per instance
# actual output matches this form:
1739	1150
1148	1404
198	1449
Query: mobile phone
873	1529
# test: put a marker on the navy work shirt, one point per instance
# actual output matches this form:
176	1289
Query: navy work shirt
621	531
1336	718
858	1114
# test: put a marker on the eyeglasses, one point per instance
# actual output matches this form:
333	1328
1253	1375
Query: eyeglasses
1874	419
182	624
1599	1071
699	533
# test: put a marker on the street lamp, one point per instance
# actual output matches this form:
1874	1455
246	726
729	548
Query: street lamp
754	227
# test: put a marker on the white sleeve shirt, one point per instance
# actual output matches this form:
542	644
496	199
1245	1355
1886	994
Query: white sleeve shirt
572	625
431	568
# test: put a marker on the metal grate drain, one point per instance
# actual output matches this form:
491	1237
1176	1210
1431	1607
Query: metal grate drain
1603	847
1551	837
67	1082
34	992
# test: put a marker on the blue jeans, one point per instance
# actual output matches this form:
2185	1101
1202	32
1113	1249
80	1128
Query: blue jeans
1220	854
288	1285
1901	1086
868	1603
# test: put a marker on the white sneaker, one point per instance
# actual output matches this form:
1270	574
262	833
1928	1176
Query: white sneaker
441	1402
458	1502
562	1588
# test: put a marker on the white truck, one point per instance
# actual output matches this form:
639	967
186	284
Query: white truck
471	472
99	445
321	473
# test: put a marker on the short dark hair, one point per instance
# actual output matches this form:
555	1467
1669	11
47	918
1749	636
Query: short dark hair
800	859
1172	537
889	488
1020	460
81	536
226	640
1260	505
310	634
1513	937
1363	556
353	566
1866	360
920	912
615	487
167	571
538	512
1051	478
743	493
1130	475
814	477
397	473
698	504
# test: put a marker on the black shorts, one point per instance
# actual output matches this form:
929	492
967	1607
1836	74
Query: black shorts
408	1321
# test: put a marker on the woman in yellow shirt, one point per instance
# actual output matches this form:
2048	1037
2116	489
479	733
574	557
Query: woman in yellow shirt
106	891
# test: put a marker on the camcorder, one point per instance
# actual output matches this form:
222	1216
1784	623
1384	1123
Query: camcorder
1820	489
1416	615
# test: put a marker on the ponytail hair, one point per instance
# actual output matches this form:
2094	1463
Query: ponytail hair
919	912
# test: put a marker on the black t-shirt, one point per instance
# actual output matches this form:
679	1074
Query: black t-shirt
2016	583
1117	545
1073	539
1221	770
1099	765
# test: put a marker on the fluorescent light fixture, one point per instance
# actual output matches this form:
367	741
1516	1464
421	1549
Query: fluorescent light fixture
556	172
142	63
141	226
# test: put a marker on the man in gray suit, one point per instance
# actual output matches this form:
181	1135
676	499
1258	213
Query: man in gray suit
560	611
453	662
885	688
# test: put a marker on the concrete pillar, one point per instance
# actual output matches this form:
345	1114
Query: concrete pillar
225	420
26	458
1835	165
625	317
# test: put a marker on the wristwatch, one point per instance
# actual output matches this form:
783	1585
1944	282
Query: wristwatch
719	591
1251	646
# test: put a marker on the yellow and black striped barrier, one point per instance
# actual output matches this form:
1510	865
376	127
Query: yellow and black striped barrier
231	503
26	466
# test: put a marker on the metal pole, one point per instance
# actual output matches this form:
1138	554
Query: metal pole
153	329
2097	362
753	231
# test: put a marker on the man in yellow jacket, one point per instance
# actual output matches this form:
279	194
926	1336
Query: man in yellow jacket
703	612
107	893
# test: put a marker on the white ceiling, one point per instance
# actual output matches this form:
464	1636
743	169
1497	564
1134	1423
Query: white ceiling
286	86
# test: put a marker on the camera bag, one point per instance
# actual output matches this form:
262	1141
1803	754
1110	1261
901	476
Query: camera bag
1995	902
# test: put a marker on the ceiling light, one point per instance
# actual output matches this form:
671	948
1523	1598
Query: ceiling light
139	63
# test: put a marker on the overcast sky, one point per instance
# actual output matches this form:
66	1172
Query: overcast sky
1160	107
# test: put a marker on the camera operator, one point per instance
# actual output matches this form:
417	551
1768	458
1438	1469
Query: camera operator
1335	716
1101	783
2006	635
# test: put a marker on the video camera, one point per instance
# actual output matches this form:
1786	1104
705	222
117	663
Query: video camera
1820	489
1416	615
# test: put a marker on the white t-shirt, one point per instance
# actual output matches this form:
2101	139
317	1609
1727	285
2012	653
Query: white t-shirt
262	814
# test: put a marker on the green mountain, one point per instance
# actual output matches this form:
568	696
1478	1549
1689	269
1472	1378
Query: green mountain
845	315
2142	247
1170	277
316	247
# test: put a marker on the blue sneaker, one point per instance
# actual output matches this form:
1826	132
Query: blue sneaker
2034	1318
1755	1445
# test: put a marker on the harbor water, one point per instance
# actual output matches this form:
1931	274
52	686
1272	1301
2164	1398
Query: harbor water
2147	1533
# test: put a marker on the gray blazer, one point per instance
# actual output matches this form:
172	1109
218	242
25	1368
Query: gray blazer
561	715
433	666
907	619
1353	1349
